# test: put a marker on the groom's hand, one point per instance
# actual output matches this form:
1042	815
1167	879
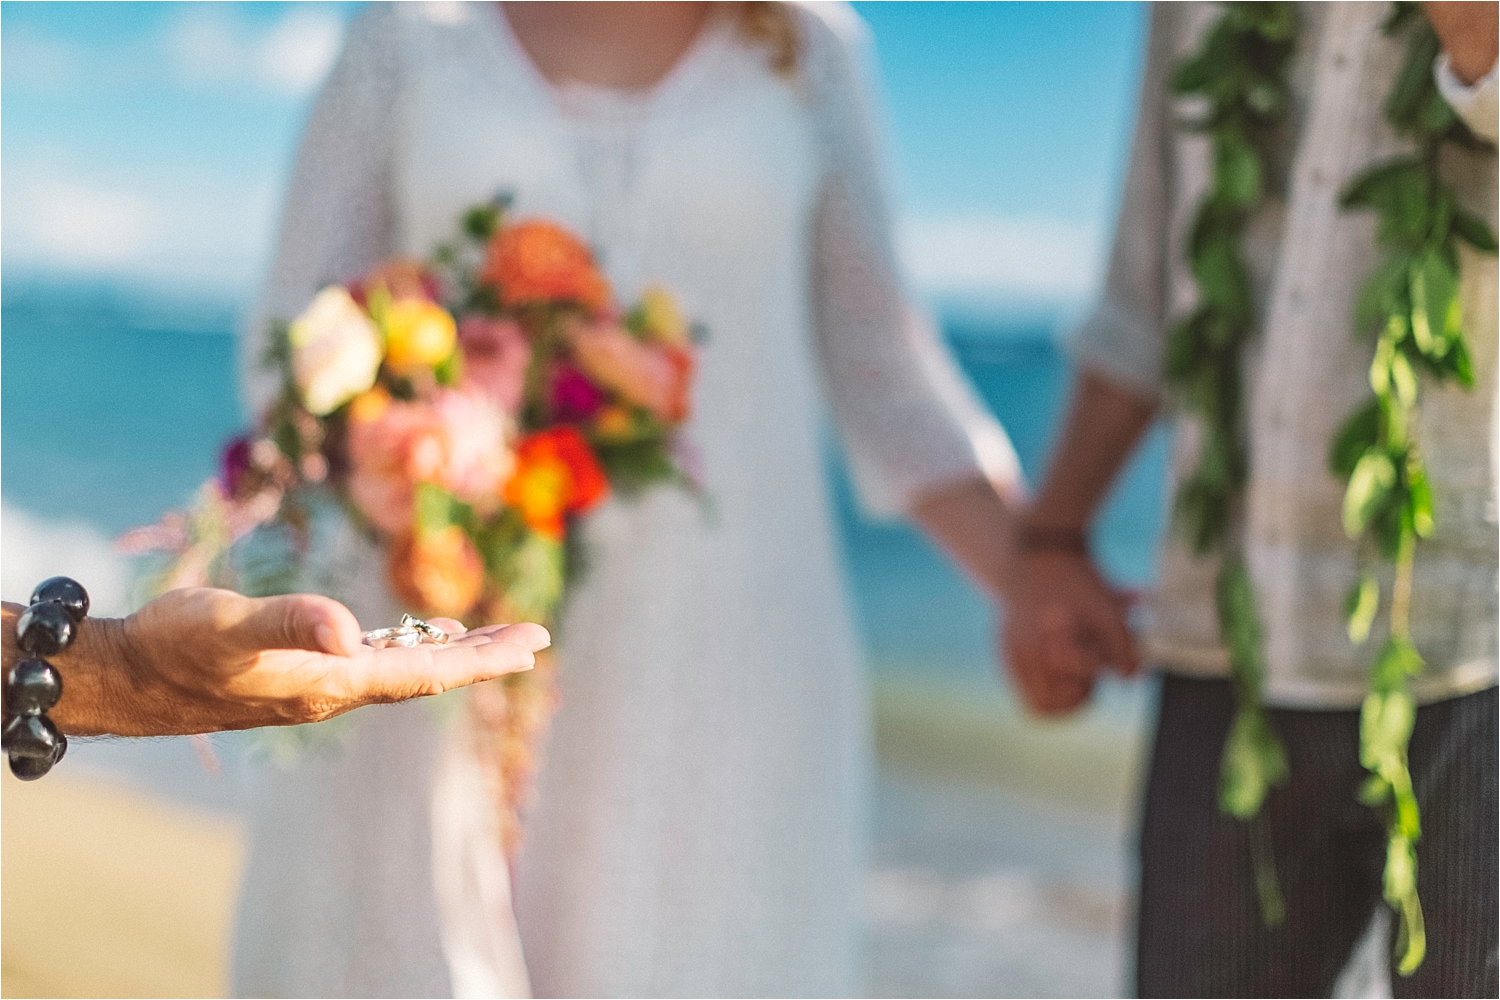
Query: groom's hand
201	660
1063	624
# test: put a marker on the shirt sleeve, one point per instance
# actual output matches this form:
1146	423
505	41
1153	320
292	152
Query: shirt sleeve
1123	338
1475	103
908	418
338	220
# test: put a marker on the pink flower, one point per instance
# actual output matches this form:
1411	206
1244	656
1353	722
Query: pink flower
458	441
496	356
392	446
656	376
479	458
574	398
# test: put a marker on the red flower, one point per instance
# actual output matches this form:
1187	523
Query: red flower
556	475
537	262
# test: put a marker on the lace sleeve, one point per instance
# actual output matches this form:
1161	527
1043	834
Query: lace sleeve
908	418
338	218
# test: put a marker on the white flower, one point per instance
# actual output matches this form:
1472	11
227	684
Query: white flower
336	351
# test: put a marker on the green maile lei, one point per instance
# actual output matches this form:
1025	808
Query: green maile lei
1412	309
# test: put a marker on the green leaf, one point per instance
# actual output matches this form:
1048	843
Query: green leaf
1360	608
1253	763
435	508
450	370
1398	660
1237	173
1359	433
1383	294
1433	289
1474	231
1380	364
534	577
1375	791
1403	379
1400	869
1221	276
1459	362
1419	496
1412	939
1385	724
1370	484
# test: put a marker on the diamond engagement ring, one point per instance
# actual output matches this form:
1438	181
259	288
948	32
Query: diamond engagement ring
412	631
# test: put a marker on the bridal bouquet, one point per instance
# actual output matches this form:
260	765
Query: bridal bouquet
463	411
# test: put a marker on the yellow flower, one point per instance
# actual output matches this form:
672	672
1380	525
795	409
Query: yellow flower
418	334
614	423
335	351
662	318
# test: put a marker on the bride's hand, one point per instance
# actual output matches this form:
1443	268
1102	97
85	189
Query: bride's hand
200	660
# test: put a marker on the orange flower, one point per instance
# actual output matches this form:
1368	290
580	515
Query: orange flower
556	475
439	572
536	262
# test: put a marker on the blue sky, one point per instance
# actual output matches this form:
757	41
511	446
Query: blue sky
150	142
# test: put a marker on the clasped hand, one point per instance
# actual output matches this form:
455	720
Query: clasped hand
1062	626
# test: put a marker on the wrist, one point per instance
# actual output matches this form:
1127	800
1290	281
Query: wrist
96	672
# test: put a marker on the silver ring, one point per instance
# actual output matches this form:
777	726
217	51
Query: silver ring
399	636
429	631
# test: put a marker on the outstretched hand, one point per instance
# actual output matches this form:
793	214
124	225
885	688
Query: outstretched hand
1063	625
200	660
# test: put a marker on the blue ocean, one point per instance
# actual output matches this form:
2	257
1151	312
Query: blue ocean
116	402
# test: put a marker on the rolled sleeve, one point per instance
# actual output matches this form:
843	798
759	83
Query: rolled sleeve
1475	103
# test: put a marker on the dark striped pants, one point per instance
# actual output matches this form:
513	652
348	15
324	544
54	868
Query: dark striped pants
1199	929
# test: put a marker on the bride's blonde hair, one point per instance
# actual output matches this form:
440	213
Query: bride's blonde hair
773	26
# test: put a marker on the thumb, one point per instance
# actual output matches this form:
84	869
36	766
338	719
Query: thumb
301	621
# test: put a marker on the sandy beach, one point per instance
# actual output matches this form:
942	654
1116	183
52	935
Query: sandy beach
1000	861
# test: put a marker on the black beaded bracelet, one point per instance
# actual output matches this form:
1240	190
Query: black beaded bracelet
31	741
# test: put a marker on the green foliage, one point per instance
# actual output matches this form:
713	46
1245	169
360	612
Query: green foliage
1241	74
1412	305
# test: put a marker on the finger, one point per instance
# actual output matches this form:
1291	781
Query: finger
533	637
1106	623
397	674
452	626
299	621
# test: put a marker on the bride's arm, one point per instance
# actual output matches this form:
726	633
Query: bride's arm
337	220
919	440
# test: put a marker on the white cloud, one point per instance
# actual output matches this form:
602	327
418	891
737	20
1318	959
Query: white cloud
35	549
204	233
300	49
1027	259
210	46
87	226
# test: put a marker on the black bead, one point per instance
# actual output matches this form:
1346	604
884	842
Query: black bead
32	687
65	591
30	768
62	747
45	629
30	736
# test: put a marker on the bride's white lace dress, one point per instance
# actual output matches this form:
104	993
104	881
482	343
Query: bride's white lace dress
698	827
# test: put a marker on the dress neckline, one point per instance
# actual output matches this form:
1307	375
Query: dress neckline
575	99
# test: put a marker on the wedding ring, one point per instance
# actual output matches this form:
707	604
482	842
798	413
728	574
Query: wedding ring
429	631
412	631
399	636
